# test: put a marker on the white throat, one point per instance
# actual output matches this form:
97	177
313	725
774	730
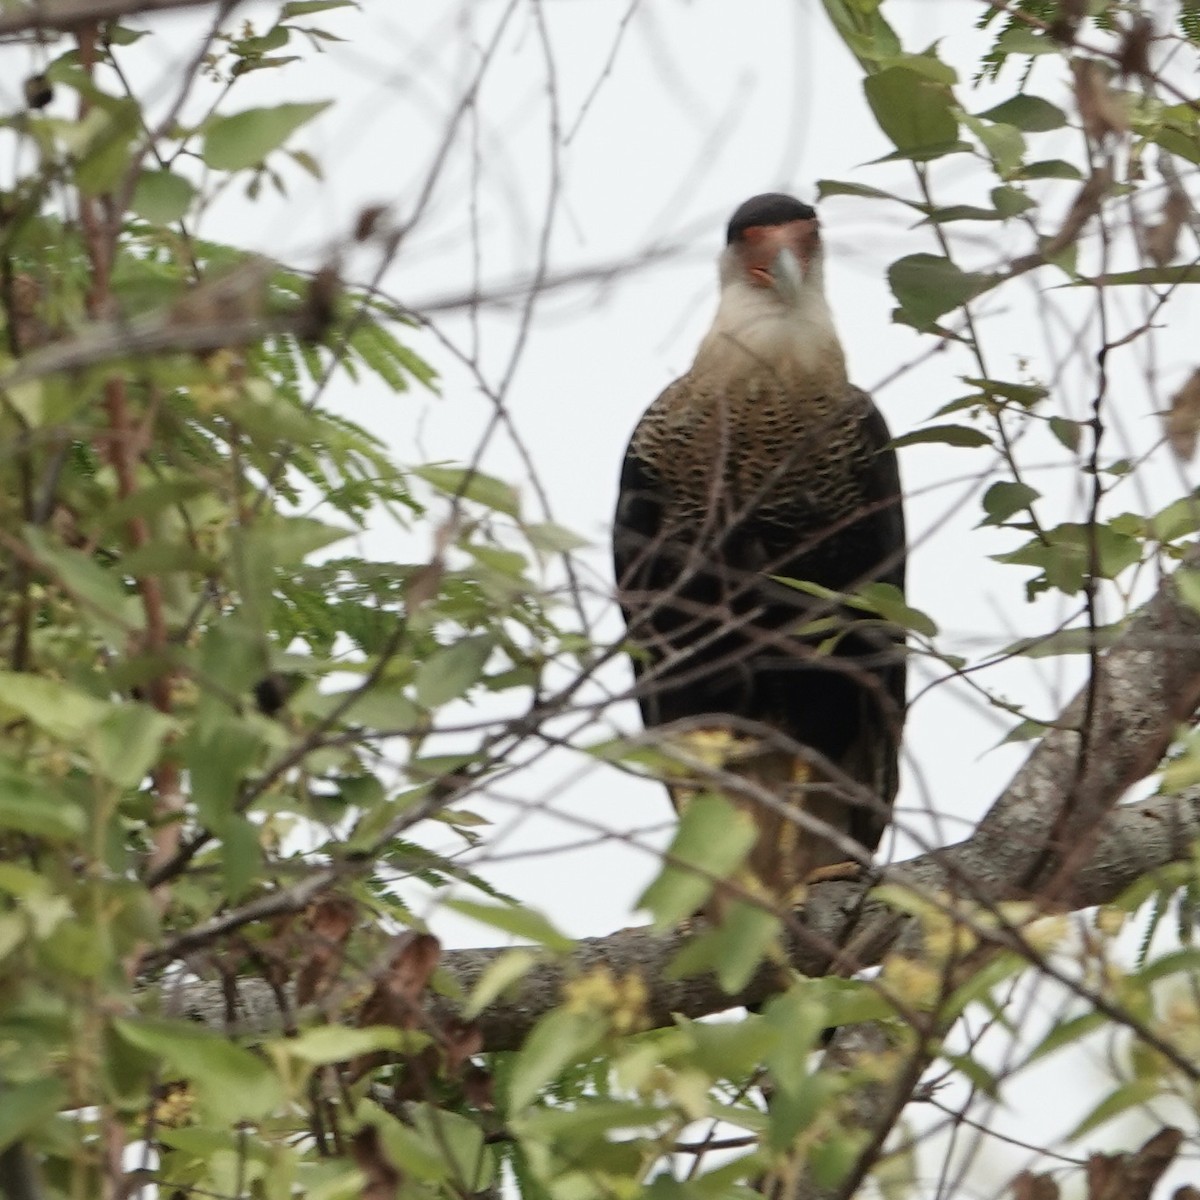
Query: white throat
755	327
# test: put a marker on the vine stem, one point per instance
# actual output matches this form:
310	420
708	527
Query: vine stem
124	445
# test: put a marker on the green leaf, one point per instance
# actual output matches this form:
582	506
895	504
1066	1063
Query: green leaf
1005	498
412	1153
1066	641
1024	731
1069	433
588	1119
120	35
1065	1033
472	485
948	435
383	705
231	1083
801	1018
746	936
1181	773
731	1049
1005	144
832	1158
915	112
1029	113
62	711
1050	168
888	601
338	1043
102	143
27	1108
559	1039
961	212
36	807
105	601
1020	38
849	1001
837	187
453	670
865	31
219	755
162	196
244	139
980	1077
554	539
927	285
501	973
304	8
515	919
1137	1094
1066	555
713	839
274	39
1186	583
127	742
1011	201
284	541
1144	277
471	1163
241	854
1024	394
1181	518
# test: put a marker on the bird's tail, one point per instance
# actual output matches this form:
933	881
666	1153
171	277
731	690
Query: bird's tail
784	795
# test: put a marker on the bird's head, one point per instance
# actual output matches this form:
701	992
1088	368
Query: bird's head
773	242
772	309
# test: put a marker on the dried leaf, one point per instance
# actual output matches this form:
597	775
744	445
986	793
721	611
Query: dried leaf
1133	56
1162	240
238	295
382	1180
396	997
1085	206
368	221
330	922
461	1040
1066	21
1102	110
1028	1186
318	310
1182	421
27	311
1132	1176
1147	1165
39	91
479	1088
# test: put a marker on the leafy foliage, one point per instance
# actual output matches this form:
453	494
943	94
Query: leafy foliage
232	741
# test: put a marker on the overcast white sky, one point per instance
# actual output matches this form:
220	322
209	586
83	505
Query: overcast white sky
667	116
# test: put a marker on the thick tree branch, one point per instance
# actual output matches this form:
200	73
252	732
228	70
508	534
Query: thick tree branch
1146	685
1136	839
1149	681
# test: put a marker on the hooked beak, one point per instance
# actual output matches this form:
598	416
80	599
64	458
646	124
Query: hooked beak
779	256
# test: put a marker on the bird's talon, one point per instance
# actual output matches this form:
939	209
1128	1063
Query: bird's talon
836	872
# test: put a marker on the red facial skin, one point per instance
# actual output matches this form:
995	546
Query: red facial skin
760	245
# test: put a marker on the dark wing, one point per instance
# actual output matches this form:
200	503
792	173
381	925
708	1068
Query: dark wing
639	563
849	704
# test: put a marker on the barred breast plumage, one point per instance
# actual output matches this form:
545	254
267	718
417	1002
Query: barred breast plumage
783	448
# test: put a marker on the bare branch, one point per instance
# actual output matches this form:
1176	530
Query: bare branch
67	15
